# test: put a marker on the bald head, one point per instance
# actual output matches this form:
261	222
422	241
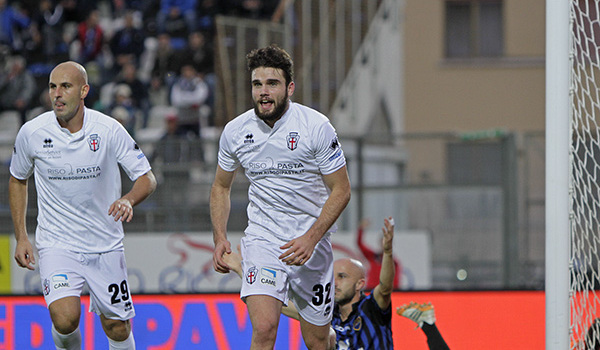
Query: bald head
76	70
352	267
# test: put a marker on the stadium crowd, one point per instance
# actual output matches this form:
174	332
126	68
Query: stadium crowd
138	54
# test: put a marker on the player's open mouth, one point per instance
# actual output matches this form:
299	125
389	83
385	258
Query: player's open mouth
266	104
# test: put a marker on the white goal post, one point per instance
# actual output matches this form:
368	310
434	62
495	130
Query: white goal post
557	176
572	174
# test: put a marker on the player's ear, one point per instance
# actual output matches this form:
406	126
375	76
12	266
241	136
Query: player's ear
291	88
85	89
361	284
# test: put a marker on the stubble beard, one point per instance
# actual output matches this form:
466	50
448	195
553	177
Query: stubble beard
66	115
343	299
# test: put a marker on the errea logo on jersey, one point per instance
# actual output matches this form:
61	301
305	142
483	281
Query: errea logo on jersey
48	143
249	138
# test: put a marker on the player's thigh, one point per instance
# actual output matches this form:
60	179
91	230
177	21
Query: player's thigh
264	311
311	285
109	287
62	279
263	272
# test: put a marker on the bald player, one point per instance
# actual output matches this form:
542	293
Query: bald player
75	153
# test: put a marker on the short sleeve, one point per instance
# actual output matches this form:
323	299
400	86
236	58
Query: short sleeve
328	152
227	158
129	154
21	163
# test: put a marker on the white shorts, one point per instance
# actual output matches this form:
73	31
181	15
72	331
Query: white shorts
310	286
64	273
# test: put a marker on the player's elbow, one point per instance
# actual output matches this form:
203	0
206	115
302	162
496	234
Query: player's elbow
151	182
385	290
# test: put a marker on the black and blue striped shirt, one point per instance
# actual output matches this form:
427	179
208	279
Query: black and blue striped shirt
367	327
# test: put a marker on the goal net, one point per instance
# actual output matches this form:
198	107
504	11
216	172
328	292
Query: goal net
584	219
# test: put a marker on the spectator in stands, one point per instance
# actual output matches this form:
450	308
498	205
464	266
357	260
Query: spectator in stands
11	19
34	46
168	149
207	10
90	38
139	91
198	53
122	103
120	7
158	95
127	44
17	88
165	65
72	10
256	9
189	94
49	21
177	17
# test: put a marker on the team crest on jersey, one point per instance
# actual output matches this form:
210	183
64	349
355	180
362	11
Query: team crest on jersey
357	324
94	142
292	140
46	286
251	275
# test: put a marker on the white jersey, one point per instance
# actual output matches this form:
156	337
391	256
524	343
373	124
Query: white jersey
285	165
77	178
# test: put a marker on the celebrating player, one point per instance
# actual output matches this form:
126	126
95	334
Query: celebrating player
298	188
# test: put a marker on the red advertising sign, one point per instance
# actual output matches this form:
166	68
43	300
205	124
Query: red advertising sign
467	320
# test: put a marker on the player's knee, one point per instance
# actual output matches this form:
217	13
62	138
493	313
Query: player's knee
64	322
116	329
65	325
318	341
264	333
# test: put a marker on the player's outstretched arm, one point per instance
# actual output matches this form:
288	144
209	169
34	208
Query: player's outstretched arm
383	291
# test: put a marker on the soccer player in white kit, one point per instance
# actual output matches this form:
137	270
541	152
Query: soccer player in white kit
75	153
298	188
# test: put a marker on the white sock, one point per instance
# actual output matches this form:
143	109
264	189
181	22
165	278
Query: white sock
127	344
71	341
